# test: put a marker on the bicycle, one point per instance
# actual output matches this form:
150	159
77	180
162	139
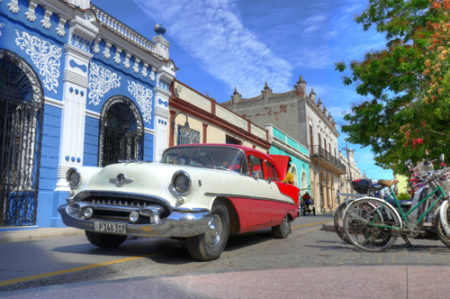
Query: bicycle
365	187
373	224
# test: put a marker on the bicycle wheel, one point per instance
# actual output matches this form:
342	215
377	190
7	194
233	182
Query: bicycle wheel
360	222
440	229
339	220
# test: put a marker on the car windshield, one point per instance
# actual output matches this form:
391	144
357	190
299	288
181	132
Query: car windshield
207	156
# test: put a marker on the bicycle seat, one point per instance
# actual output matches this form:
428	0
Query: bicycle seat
388	183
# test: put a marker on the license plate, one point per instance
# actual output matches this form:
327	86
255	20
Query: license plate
110	227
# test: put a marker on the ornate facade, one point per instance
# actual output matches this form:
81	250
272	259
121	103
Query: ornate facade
78	87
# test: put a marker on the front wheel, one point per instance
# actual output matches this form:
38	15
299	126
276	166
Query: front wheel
339	222
283	230
440	229
209	246
368	224
105	241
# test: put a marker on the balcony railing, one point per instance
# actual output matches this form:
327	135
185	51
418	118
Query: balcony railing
124	31
318	151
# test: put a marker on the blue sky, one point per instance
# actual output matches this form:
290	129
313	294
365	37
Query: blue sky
222	44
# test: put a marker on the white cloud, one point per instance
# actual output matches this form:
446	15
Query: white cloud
213	34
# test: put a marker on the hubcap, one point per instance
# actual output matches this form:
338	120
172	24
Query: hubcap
214	232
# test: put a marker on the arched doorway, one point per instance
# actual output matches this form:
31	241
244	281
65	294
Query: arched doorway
21	116
121	132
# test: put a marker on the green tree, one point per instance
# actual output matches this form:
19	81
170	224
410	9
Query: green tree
406	85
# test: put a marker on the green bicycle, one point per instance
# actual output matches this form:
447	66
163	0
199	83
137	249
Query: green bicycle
373	224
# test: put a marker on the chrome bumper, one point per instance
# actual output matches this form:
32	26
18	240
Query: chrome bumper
178	224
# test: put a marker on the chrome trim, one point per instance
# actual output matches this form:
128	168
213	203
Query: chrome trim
179	223
121	179
172	187
81	196
69	173
250	197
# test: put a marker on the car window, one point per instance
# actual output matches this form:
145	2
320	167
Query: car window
226	158
271	172
256	167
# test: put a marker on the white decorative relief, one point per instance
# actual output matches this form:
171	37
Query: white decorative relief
60	29
45	56
96	48
126	62
13	6
1	26
106	52
101	80
144	70
117	56
152	74
46	20
30	14
136	65
143	96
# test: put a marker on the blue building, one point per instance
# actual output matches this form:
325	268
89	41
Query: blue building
77	88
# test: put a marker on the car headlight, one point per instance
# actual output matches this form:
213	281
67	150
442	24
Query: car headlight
73	177
181	182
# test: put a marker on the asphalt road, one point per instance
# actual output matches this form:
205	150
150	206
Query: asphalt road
70	267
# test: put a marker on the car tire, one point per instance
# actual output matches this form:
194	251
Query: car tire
283	230
210	245
105	241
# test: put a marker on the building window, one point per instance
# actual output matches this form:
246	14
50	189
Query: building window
187	135
121	132
232	140
21	120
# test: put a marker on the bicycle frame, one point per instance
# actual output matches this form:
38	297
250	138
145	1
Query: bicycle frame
404	215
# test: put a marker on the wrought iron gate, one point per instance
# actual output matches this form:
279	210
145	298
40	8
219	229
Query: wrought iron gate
21	113
121	132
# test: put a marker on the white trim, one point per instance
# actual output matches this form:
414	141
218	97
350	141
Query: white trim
92	114
149	131
53	102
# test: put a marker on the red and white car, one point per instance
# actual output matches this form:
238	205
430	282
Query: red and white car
200	192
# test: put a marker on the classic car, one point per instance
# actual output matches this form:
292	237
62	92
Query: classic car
200	193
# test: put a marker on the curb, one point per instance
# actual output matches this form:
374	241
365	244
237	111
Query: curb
37	234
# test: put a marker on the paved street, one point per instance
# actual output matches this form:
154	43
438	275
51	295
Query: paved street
312	262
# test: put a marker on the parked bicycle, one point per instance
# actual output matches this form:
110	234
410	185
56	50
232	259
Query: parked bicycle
373	224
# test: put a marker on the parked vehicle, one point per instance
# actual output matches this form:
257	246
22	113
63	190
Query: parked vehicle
200	193
373	224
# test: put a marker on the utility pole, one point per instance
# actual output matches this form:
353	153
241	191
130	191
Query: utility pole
349	164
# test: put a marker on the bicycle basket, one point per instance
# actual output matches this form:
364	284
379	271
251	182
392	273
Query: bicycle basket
361	185
445	183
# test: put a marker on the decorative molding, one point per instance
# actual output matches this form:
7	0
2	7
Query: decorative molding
92	114
74	64
144	96
31	13
96	48
101	80
46	20
45	56
152	74
136	65
144	70
60	29
13	6
126	62
106	52
80	43
1	26
53	102
117	56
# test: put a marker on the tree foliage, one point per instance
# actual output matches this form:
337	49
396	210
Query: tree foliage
406	84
